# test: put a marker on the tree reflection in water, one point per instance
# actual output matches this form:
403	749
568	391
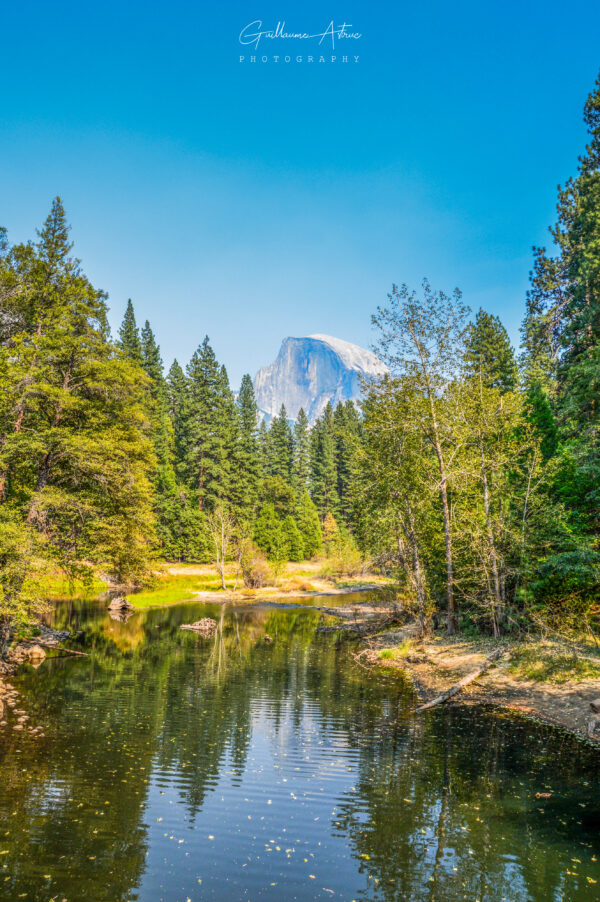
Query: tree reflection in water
163	738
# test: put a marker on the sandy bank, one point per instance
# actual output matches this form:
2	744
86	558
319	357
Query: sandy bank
437	664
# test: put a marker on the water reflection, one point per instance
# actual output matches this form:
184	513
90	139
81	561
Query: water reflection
177	767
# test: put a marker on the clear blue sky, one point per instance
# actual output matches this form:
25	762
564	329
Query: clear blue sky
255	202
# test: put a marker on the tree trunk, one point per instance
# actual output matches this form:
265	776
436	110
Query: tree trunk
5	624
446	512
454	690
418	570
497	607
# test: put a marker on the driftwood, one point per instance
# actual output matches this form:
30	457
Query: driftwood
469	678
65	651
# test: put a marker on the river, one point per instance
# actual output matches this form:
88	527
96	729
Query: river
176	768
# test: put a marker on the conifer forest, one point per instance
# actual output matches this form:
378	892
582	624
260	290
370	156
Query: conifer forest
470	473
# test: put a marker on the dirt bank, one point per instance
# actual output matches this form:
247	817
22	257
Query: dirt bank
437	664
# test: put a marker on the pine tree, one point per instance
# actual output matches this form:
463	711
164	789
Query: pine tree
247	457
301	453
151	360
324	475
346	440
208	427
279	447
562	332
167	496
75	459
129	336
489	354
263	449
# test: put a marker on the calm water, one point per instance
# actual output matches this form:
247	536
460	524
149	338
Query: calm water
179	768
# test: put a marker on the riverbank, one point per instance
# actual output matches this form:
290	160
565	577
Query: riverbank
549	681
200	582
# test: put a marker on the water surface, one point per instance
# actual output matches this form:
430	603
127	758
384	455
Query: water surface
179	768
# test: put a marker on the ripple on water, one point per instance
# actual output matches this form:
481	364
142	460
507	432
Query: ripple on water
179	768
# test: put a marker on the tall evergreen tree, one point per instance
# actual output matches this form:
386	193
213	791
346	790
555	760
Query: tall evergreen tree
489	354
346	425
129	336
74	454
324	476
247	457
263	449
562	332
279	447
208	427
301	453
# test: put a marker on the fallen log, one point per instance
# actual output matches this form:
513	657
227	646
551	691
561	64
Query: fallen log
65	651
469	678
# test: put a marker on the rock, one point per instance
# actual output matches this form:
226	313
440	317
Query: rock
593	727
120	603
24	653
36	654
268	639
206	627
311	371
1	709
595	706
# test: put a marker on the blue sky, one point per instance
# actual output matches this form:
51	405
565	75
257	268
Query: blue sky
251	202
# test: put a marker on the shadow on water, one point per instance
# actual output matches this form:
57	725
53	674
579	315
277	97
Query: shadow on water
177	767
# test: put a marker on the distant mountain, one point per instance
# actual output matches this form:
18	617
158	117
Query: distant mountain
309	372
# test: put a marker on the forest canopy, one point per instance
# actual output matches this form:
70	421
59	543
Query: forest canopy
467	473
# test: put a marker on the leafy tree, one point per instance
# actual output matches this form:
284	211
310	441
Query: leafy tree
422	340
399	524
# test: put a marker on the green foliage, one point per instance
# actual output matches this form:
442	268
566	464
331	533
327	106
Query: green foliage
324	478
343	555
292	537
279	493
129	336
309	525
75	456
279	447
488	353
301	453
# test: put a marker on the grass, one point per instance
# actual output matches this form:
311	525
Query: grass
398	653
173	589
554	664
54	587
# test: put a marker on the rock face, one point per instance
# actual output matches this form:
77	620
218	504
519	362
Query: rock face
309	372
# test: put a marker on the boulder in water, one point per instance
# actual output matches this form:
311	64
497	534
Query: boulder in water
206	627
120	603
